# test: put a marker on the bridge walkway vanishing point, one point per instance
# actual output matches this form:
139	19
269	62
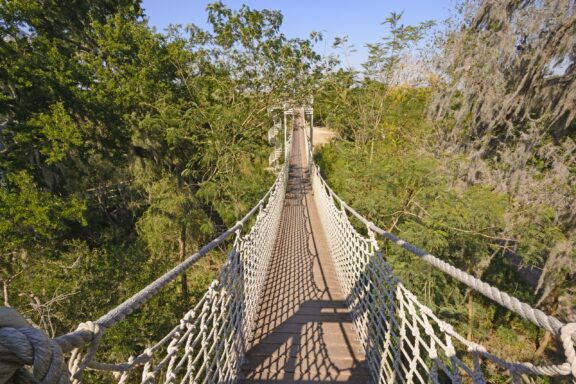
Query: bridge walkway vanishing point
302	297
304	331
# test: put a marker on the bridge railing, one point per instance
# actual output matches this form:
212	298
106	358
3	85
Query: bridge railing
403	339
207	345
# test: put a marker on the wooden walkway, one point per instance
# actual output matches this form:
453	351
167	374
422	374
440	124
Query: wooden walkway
304	333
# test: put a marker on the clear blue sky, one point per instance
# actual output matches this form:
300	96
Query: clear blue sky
359	19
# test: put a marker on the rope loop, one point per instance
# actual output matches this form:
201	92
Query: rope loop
79	365
27	354
567	335
238	233
372	235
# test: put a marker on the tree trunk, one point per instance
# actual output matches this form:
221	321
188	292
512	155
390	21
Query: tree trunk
543	344
470	315
182	252
6	283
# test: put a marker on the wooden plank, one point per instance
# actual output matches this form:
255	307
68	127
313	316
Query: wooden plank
304	332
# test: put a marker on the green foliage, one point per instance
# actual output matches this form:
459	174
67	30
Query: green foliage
508	111
61	134
372	110
30	216
123	150
388	165
170	210
385	56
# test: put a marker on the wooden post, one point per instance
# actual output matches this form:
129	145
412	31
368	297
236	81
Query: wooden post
312	130
285	139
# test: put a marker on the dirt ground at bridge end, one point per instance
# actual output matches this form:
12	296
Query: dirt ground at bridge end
322	135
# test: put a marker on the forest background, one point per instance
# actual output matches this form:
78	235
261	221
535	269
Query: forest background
122	150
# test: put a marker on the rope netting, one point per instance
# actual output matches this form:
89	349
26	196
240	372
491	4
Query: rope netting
278	145
404	341
208	344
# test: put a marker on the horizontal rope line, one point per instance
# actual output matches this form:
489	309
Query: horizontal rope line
533	315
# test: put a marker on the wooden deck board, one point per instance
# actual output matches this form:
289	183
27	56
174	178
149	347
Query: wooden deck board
304	332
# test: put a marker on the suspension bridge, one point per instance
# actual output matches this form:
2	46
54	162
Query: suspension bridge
303	297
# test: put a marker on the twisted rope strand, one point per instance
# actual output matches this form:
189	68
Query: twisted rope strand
403	339
342	234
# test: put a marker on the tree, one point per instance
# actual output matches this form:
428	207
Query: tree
508	104
357	106
123	150
31	221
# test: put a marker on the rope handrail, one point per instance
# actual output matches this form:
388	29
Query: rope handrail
536	316
77	338
225	311
337	224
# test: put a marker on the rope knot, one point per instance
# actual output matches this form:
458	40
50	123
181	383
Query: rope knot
27	354
189	316
93	328
567	334
92	333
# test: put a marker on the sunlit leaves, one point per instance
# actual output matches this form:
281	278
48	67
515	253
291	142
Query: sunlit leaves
30	217
61	133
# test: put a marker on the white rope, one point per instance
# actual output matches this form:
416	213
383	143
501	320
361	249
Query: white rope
22	345
273	139
209	343
403	339
207	346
